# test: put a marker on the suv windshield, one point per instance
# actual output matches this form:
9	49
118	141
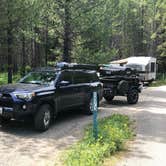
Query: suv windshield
39	78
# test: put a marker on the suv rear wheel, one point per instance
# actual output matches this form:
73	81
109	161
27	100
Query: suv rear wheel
132	96
89	107
42	118
4	119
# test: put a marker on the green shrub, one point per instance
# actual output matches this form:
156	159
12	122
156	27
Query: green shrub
158	83
3	78
113	132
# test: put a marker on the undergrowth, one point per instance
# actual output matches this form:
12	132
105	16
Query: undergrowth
113	132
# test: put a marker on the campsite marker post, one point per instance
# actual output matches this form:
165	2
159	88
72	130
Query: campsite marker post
95	110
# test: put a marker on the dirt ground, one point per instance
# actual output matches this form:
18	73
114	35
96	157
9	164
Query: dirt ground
150	145
21	145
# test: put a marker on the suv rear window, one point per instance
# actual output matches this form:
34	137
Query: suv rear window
95	77
85	77
67	76
79	77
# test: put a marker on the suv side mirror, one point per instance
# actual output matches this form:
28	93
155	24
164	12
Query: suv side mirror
64	83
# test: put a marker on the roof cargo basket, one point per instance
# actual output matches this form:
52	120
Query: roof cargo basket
64	65
43	69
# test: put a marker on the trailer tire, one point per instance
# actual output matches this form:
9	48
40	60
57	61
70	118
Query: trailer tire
109	98
132	96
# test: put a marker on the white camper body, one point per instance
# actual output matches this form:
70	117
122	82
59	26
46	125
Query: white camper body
146	66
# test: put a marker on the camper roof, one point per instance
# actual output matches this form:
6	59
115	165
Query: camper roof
142	60
139	60
121	61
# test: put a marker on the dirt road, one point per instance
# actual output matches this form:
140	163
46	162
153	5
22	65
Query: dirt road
149	148
20	145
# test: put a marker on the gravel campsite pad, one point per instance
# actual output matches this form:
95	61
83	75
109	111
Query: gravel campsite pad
21	145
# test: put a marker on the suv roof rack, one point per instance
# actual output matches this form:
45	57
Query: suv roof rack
44	69
64	65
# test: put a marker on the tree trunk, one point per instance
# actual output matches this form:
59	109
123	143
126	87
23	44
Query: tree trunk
154	28
9	50
141	34
9	44
23	55
67	33
46	43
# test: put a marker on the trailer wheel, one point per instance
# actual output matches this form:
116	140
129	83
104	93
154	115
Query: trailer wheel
132	96
109	98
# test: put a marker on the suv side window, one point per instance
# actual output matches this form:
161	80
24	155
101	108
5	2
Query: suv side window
67	76
91	77
85	77
88	77
95	77
79	77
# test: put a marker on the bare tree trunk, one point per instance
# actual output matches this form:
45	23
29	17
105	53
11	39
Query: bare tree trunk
154	27
32	53
67	33
9	44
142	48
9	50
46	43
23	55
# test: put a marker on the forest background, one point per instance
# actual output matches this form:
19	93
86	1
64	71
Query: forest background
36	33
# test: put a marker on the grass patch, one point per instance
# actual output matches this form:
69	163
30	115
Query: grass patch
3	78
114	131
158	83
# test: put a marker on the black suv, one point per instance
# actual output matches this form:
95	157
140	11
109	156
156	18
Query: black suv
44	92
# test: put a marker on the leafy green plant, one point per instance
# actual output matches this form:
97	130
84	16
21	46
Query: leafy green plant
160	80
158	83
3	78
113	133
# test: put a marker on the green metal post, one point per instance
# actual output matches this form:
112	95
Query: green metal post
95	110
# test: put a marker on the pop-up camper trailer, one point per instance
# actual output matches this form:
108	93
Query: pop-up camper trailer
146	66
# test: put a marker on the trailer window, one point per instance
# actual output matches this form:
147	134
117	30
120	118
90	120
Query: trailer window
152	67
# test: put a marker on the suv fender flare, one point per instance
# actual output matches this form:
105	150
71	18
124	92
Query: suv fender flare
136	88
51	103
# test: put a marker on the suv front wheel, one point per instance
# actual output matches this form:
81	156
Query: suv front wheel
42	118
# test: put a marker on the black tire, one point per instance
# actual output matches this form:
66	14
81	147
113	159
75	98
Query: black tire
123	87
88	107
109	98
132	96
42	119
